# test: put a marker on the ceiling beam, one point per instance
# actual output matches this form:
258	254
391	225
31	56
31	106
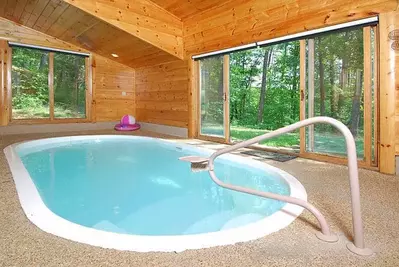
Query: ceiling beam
140	18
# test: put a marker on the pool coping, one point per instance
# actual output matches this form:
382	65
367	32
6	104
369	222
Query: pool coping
38	213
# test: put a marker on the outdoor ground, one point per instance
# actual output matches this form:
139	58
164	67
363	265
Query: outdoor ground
326	143
23	244
43	112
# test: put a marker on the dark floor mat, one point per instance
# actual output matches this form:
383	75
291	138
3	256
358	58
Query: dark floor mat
269	155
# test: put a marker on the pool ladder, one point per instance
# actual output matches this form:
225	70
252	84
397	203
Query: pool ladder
358	246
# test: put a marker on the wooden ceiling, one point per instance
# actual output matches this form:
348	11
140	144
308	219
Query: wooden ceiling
187	8
150	32
70	24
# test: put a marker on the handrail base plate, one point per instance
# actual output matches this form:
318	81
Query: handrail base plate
332	238
359	251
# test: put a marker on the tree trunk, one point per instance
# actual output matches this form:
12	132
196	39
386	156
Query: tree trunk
43	61
355	114
343	81
321	81
266	63
333	97
284	62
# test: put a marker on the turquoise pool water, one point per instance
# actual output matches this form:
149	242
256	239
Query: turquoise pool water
138	186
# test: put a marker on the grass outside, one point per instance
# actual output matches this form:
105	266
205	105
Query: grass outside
326	143
43	112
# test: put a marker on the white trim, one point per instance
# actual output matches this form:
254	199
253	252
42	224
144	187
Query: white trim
165	129
318	31
38	213
224	51
49	49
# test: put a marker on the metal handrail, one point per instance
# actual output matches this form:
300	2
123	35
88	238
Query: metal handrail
358	246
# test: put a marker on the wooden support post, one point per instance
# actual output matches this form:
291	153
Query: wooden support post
51	84
193	103
367	77
310	93
388	82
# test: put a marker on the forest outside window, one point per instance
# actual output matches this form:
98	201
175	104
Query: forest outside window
262	89
47	85
339	85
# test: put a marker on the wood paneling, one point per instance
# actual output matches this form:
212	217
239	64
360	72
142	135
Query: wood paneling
389	81
114	90
58	19
244	21
193	101
142	19
13	32
4	92
162	94
187	8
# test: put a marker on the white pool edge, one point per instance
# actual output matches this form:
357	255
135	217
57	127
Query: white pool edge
38	213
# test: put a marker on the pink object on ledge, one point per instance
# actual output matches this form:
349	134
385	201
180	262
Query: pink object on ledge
128	123
127	127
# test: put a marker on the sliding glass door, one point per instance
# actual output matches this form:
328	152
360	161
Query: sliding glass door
264	91
213	97
251	92
339	84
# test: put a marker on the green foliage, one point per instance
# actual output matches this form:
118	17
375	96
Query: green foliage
30	89
22	101
338	82
282	87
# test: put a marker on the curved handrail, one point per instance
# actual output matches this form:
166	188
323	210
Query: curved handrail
359	246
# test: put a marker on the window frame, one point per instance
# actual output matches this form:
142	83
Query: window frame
52	119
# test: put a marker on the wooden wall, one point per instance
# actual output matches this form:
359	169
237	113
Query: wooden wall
113	90
4	68
244	21
162	94
389	81
110	79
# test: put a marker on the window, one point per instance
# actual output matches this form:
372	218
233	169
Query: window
69	86
212	96
254	91
336	87
30	90
47	85
264	91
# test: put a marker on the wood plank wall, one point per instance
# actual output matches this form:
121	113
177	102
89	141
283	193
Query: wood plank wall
244	21
4	52
162	94
113	90
389	83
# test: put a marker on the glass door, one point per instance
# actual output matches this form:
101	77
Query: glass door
264	94
340	84
213	98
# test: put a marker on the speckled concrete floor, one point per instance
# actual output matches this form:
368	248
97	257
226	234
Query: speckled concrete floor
23	244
